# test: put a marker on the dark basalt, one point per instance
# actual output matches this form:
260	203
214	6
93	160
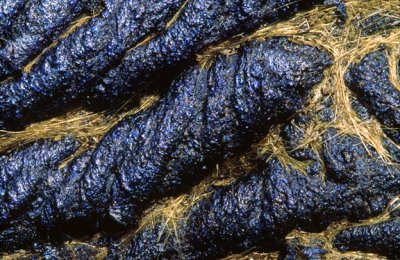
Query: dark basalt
90	249
205	116
9	10
261	208
196	29
40	23
20	174
76	252
382	238
59	77
75	69
296	250
369	79
66	251
378	23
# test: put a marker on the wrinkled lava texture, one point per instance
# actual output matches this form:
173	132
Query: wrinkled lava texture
382	238
296	250
378	22
103	61
54	190
39	23
59	77
261	208
9	9
205	116
370	81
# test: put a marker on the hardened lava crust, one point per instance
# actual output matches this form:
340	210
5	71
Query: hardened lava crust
382	238
262	207
272	129
58	78
205	116
370	80
38	24
122	49
9	9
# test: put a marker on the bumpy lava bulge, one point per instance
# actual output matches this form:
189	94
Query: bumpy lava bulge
205	116
110	57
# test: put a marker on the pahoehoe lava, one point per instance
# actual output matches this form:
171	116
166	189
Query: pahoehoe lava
9	9
205	116
57	80
76	70
262	207
39	23
370	80
259	209
382	238
262	137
